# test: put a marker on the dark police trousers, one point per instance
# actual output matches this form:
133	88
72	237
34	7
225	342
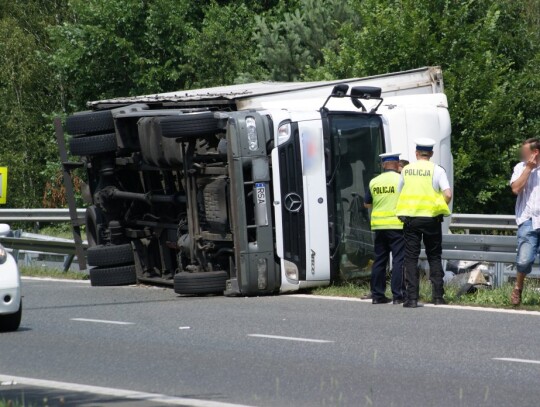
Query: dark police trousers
388	241
414	230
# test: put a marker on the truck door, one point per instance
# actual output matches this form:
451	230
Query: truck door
354	141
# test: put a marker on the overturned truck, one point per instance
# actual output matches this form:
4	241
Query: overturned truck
249	189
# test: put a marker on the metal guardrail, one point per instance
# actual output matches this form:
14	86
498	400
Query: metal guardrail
496	249
483	222
38	215
40	243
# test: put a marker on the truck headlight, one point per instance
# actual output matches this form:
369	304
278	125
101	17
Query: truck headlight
3	254
291	271
284	133
251	126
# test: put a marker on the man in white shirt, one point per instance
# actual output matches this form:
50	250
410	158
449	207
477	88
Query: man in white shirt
525	183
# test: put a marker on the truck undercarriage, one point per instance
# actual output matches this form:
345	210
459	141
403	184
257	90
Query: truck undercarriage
159	183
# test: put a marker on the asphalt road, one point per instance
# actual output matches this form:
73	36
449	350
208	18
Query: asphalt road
271	351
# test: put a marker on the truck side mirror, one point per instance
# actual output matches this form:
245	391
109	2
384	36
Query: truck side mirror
356	102
366	92
340	90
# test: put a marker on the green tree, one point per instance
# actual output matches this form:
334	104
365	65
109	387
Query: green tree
290	38
222	50
121	48
29	94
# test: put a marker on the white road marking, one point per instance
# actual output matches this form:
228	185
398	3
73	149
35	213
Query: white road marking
290	338
120	393
458	307
57	280
184	327
533	362
102	321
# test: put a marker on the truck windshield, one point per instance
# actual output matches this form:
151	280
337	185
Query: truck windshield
357	141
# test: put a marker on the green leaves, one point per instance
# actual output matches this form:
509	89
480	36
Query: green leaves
290	42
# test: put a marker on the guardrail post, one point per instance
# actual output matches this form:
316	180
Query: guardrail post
499	274
70	195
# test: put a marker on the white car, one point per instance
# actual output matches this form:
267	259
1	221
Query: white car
10	288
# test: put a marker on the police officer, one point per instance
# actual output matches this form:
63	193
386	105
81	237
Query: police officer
422	203
382	197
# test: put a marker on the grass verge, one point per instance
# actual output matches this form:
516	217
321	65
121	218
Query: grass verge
46	272
484	297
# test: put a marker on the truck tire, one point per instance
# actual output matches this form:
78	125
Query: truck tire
93	145
112	276
94	221
11	322
110	255
188	125
210	282
90	122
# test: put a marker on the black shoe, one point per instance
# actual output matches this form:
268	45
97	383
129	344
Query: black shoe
410	304
383	300
439	301
397	302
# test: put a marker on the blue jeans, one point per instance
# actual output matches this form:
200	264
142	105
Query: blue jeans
528	245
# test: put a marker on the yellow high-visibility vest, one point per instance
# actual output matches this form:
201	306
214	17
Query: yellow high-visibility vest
418	197
384	191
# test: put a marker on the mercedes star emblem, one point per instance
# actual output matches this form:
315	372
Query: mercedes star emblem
293	202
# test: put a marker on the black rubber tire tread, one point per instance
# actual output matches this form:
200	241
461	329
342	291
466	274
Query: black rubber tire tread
211	282
90	122
11	322
110	255
93	145
112	276
93	220
188	125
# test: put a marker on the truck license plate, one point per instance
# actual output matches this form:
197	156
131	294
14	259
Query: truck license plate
260	190
261	218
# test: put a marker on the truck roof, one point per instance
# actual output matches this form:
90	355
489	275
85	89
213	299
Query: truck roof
415	81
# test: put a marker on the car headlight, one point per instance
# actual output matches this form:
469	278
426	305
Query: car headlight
3	254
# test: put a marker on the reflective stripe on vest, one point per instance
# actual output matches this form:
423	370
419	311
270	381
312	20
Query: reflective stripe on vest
384	191
418	198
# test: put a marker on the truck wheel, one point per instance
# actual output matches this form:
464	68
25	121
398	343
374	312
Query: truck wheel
111	255
11	322
90	122
94	221
210	282
93	145
111	276
188	125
